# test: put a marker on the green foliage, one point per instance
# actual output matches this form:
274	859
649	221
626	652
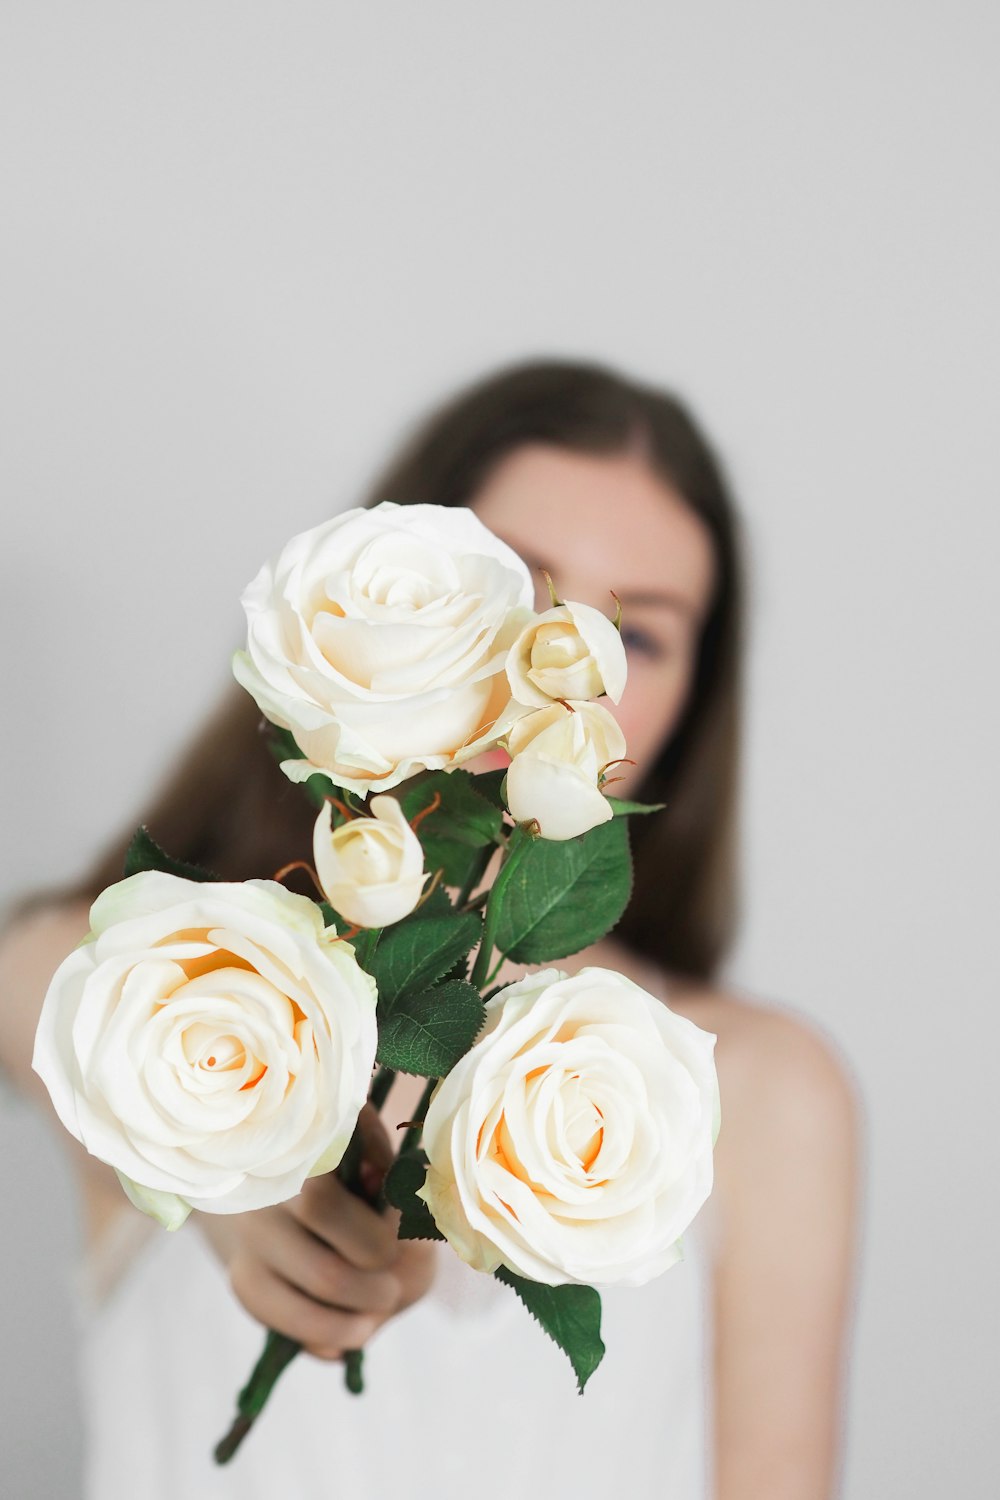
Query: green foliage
564	894
364	944
405	1176
570	1315
426	1033
144	853
415	953
489	784
437	904
464	823
632	809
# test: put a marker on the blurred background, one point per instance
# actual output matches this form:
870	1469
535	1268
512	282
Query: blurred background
249	244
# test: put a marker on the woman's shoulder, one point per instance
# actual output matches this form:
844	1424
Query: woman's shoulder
788	1156
767	1051
782	1078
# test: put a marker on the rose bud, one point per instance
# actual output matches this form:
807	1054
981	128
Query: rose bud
558	755
571	651
371	870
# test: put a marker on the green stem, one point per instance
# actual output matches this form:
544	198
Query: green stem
279	1350
354	1378
519	841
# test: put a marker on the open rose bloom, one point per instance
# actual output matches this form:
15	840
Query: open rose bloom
573	1142
211	1042
380	640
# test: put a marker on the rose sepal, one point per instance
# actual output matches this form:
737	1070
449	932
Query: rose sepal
166	1208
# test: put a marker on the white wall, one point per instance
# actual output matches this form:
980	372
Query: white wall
250	242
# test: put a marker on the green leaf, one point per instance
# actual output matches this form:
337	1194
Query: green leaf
405	1176
489	784
632	809
570	1315
414	953
364	944
144	853
429	1032
462	825
437	904
564	895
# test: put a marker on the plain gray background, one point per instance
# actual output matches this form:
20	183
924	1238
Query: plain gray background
249	243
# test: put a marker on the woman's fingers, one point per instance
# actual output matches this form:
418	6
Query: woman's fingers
362	1235
326	1268
309	1264
324	1331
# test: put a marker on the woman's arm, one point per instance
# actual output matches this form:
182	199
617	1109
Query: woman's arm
31	949
788	1182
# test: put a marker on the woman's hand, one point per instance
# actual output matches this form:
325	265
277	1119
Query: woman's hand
325	1268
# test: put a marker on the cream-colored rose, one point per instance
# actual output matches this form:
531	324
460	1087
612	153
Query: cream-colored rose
573	1142
558	755
211	1042
379	639
371	870
571	651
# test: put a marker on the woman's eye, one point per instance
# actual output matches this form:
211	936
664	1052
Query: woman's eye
641	642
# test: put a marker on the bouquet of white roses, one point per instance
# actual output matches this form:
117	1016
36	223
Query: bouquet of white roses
215	1042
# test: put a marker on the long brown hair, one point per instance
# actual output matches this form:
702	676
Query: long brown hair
228	807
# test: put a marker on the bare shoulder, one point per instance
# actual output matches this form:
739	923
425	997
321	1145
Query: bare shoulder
788	1160
777	1067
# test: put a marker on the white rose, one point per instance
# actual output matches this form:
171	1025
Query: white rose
573	1142
571	651
371	870
211	1042
558	755
379	640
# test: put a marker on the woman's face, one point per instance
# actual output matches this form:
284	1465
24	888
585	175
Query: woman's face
598	523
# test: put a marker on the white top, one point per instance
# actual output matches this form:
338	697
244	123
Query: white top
465	1395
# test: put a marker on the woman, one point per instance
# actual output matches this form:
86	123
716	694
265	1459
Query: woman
606	484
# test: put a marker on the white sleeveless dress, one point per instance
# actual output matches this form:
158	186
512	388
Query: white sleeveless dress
465	1397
